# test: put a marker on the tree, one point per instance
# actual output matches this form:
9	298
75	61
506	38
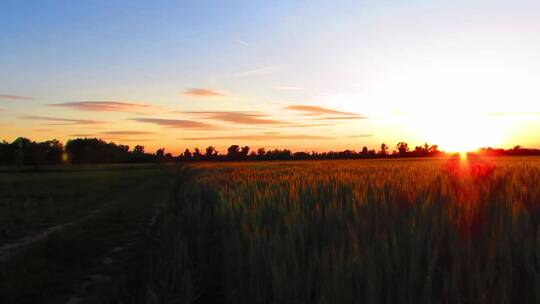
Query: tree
197	155
364	151
210	152
244	152
160	153
93	150
187	154
402	147
261	152
384	149
52	151
138	149
233	152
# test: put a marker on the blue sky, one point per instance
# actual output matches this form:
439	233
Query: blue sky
393	65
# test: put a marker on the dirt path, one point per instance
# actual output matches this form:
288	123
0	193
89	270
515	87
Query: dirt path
88	291
7	250
85	260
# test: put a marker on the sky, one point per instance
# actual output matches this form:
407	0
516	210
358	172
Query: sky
303	75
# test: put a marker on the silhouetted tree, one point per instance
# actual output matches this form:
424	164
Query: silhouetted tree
160	155
197	155
187	154
364	151
138	149
210	152
93	150
233	152
402	148
384	149
244	152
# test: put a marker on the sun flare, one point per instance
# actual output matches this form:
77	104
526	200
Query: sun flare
461	132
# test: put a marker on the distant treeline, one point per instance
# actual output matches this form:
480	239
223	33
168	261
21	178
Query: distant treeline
24	151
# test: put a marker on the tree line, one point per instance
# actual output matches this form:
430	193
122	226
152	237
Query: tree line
237	153
23	151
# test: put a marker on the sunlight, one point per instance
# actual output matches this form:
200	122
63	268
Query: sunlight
458	132
463	156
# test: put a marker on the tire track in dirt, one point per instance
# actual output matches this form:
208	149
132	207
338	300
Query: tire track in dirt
7	250
113	259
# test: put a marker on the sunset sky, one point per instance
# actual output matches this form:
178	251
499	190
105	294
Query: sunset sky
305	75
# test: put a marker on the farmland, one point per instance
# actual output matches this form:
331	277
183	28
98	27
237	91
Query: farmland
441	230
68	233
438	231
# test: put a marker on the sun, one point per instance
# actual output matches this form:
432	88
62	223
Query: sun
461	132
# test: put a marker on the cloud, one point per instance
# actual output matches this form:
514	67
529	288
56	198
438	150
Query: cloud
256	72
127	133
341	117
200	92
359	136
119	139
261	137
316	110
177	123
83	135
15	97
241	42
105	106
63	121
248	118
308	125
127	139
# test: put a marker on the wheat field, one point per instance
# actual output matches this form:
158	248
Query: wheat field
387	231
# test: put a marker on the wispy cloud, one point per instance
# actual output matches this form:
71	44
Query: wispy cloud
316	110
241	42
261	137
341	117
326	114
127	132
14	97
310	125
83	135
248	118
63	121
256	72
201	92
136	140
106	106
359	136
100	136
177	123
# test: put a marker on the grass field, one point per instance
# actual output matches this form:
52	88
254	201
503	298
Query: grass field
73	232
374	231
